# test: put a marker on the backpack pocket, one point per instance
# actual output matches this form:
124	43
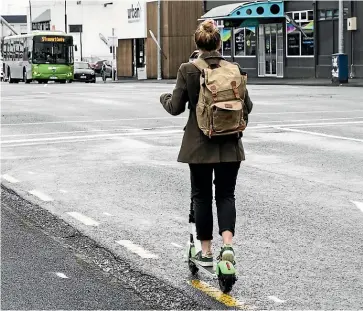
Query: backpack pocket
227	117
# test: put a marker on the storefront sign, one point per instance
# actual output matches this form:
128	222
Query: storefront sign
134	14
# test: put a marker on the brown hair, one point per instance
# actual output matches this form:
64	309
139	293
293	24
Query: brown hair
207	36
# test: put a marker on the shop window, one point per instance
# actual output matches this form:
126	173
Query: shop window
226	34
296	43
245	41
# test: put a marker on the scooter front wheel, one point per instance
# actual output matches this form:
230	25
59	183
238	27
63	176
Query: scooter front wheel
193	268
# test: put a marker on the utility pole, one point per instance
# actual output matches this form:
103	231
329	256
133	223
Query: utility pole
113	53
341	27
30	15
159	40
65	16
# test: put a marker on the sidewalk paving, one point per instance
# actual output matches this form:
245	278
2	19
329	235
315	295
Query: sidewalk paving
263	81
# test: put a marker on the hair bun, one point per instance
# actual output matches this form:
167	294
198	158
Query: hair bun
209	26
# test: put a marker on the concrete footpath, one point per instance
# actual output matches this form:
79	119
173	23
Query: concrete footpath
262	81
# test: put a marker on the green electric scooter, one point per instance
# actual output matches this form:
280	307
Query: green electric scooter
222	270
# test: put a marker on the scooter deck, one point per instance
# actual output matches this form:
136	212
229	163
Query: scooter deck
208	270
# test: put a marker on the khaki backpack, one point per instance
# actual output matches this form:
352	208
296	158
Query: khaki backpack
220	107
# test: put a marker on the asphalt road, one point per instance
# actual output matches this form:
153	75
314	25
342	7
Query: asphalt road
103	158
40	273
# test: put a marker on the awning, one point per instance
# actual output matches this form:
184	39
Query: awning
44	17
247	10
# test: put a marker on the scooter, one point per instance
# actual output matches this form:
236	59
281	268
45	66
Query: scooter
222	270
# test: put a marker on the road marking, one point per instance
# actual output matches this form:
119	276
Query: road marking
9	178
31	173
143	253
96	131
84	219
63	191
320	134
52	139
358	204
218	295
92	121
176	245
61	275
275	299
107	214
306	112
41	195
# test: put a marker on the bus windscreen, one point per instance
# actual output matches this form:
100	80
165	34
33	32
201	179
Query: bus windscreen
53	50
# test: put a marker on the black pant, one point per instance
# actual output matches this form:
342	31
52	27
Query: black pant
201	176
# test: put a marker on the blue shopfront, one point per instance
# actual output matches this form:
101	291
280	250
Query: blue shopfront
262	37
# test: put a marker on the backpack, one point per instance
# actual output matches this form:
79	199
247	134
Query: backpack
220	107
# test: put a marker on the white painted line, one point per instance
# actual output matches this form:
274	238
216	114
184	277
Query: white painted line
9	178
306	112
136	249
61	275
107	214
63	191
52	139
92	121
320	134
310	120
176	245
84	219
358	204
31	173
41	195
126	129
275	299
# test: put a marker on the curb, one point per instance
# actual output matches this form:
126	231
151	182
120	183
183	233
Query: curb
255	82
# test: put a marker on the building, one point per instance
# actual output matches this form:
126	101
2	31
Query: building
18	22
93	23
267	40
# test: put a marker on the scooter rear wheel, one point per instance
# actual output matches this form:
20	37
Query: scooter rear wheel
226	282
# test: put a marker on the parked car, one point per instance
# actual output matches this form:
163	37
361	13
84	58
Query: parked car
83	72
103	68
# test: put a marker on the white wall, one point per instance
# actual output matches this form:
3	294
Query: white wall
95	19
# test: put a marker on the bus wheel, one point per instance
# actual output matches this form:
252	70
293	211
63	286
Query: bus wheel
25	79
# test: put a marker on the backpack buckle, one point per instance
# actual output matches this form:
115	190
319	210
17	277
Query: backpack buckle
213	89
235	90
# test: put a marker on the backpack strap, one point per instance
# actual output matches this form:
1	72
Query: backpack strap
200	63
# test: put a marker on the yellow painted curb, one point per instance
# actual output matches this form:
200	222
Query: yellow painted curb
218	295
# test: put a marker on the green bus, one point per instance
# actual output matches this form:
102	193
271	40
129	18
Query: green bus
39	56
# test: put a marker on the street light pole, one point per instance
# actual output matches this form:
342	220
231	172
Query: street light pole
341	27
159	40
30	15
65	16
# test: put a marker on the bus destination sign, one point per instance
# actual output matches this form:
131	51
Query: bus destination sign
53	39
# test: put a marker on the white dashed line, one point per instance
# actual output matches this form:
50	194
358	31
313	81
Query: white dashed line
176	245
107	214
358	204
318	134
31	173
63	191
61	275
275	299
143	253
41	195
9	178
84	219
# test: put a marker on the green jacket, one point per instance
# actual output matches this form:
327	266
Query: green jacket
196	147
